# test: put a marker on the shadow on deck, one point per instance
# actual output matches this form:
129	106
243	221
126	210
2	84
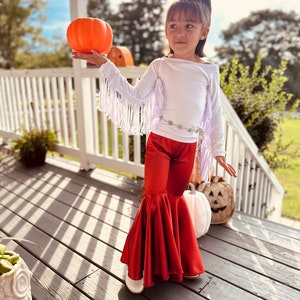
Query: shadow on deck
81	220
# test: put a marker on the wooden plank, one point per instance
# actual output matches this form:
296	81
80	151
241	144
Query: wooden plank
85	222
45	283
170	290
220	289
89	223
267	267
246	279
269	225
99	220
264	234
54	254
104	256
254	245
72	244
95	176
49	226
70	169
212	287
81	178
67	212
102	286
78	187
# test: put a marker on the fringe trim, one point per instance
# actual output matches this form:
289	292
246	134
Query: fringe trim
206	159
203	150
133	116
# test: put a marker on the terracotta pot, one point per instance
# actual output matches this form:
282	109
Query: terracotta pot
15	284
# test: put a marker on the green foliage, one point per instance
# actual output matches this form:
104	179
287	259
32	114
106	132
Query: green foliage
56	56
15	29
100	9
257	96
22	45
33	145
262	27
288	134
276	33
35	138
143	148
275	159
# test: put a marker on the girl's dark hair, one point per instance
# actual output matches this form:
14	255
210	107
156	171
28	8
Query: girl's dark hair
198	11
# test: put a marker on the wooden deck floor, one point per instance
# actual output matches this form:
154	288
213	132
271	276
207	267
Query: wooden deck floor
81	221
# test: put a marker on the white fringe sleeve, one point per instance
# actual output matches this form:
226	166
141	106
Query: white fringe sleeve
133	109
211	143
204	150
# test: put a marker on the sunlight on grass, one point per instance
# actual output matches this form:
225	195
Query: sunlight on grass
289	177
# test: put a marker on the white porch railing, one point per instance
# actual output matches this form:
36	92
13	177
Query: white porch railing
65	100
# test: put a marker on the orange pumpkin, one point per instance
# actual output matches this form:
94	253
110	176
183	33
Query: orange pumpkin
120	56
86	34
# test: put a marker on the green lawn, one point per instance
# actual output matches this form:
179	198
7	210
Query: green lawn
289	177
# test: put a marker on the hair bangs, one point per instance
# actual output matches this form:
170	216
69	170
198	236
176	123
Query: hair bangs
187	9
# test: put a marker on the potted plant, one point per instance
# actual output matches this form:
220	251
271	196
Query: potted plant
14	276
32	147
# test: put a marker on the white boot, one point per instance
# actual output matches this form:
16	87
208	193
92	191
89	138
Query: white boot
191	277
134	286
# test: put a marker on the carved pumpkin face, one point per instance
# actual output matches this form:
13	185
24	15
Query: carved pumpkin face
220	196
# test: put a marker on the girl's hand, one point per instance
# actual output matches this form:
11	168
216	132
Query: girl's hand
94	58
227	167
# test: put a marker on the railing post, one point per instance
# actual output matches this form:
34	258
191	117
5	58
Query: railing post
83	97
275	205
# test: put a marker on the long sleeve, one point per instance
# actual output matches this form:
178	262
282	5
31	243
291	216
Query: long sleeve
217	129
132	108
212	142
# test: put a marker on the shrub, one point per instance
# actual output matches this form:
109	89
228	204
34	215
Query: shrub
257	96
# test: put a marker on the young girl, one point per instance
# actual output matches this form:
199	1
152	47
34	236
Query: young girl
177	101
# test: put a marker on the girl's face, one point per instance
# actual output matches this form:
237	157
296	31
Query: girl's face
183	36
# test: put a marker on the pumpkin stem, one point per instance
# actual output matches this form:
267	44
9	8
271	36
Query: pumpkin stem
192	188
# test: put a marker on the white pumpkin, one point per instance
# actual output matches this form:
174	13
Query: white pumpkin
199	209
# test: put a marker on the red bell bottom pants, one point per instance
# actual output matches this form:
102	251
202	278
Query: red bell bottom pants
162	240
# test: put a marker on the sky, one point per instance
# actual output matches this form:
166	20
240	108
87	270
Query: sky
225	12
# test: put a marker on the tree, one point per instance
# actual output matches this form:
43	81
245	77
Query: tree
100	9
257	97
51	54
275	34
15	30
141	29
137	25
